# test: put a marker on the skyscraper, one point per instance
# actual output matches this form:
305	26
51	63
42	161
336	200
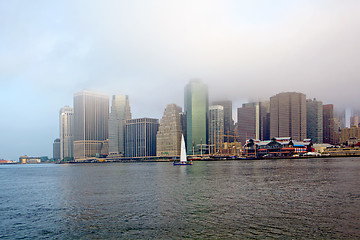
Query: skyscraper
253	121
288	115
91	119
168	137
66	132
228	120
120	111
140	137
328	123
314	121
196	110
216	127
56	149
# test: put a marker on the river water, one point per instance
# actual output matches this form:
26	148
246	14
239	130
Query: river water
304	198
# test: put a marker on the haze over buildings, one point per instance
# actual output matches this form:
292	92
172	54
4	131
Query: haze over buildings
150	49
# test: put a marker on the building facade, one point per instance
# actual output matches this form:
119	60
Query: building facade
228	120
350	136
66	133
120	112
56	149
314	120
168	137
354	120
288	115
216	128
253	121
91	119
140	137
328	124
196	104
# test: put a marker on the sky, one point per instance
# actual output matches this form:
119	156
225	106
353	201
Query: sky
150	49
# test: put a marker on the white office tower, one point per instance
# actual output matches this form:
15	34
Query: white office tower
66	132
120	111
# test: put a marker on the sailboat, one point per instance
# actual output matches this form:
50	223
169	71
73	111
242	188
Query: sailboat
183	159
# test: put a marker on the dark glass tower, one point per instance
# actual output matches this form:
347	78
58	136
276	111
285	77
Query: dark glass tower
314	121
140	137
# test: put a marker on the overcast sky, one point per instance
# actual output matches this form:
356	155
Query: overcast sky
150	49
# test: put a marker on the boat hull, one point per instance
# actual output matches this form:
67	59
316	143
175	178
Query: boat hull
180	163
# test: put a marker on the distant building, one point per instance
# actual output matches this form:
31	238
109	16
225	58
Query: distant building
25	159
66	132
216	128
196	110
288	115
91	119
228	120
168	137
350	136
56	149
314	121
120	112
140	137
328	124
354	120
253	121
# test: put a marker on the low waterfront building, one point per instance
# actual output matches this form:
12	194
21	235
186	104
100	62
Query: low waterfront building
276	147
25	159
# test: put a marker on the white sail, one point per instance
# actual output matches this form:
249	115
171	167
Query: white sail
183	150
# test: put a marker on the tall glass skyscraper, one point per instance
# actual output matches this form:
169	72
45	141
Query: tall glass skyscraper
196	109
66	132
91	121
120	111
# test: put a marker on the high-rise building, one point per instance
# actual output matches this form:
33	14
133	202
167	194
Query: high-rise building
288	115
265	120
228	120
56	149
328	123
91	121
120	111
314	120
216	127
66	133
196	110
354	120
253	121
168	137
140	137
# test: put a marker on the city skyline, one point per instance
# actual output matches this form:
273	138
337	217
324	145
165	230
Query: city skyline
244	51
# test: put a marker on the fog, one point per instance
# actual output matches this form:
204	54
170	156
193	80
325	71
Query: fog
149	50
